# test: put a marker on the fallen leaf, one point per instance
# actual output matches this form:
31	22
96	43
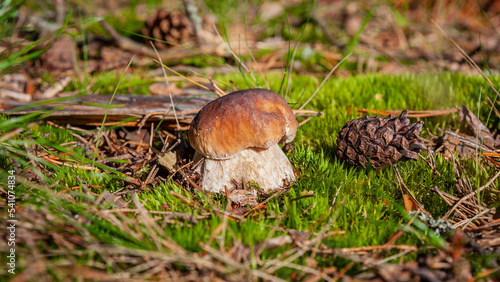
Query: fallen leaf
410	204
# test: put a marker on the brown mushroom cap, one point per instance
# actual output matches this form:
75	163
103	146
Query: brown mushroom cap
251	118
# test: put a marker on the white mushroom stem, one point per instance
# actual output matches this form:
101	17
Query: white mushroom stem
268	168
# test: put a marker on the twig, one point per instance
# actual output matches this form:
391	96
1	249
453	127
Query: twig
4	93
306	113
463	199
366	249
388	259
260	205
54	90
175	54
468	221
304	121
218	90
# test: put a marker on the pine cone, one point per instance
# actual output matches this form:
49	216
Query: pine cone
381	141
173	27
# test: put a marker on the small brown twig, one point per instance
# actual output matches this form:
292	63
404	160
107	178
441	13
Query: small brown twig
472	194
436	172
262	204
54	90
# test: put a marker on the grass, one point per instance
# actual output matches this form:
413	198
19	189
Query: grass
76	228
368	207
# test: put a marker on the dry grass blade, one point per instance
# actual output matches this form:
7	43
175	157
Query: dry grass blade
168	87
218	90
468	59
154	229
231	262
16	131
472	194
324	80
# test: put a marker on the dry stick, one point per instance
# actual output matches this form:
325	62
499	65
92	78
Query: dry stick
450	199
468	221
175	172
106	138
144	266
306	209
168	55
446	198
146	117
324	80
486	226
343	270
54	90
304	121
260	205
151	175
216	231
148	222
388	259
218	90
366	249
170	258
472	194
23	97
305	113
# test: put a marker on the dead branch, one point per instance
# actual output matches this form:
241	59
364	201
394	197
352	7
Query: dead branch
171	55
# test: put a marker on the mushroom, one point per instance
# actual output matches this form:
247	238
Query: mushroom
238	134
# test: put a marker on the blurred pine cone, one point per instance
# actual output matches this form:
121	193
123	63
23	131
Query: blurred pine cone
380	141
173	27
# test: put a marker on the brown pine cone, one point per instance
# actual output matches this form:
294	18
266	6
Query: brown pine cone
173	27
380	141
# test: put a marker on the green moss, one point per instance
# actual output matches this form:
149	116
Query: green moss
369	203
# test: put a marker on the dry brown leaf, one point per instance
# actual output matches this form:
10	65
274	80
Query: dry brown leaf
410	204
